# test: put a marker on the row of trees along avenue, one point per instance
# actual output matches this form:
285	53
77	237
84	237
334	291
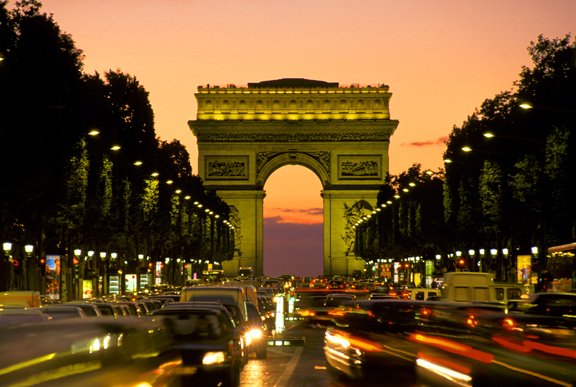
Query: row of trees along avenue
508	186
121	190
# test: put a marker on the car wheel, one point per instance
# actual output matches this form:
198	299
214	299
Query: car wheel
236	376
233	378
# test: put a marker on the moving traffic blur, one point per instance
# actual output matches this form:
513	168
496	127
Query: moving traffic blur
374	333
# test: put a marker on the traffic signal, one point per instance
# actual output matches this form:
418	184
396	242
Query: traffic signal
75	261
42	266
461	263
17	264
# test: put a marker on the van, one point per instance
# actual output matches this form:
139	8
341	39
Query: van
508	291
424	293
468	287
24	299
237	293
249	291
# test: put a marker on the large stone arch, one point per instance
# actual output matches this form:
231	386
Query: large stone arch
294	122
276	161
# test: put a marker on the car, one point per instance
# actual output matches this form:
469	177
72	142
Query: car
121	310
90	310
322	309
133	307
203	336
95	351
269	283
436	343
257	332
63	311
546	304
268	311
17	316
106	309
380	296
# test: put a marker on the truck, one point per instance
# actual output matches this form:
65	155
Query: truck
23	299
479	287
468	287
197	293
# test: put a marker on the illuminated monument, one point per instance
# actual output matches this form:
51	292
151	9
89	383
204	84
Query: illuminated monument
340	133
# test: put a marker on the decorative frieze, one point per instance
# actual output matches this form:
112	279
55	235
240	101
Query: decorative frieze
226	167
360	167
293	137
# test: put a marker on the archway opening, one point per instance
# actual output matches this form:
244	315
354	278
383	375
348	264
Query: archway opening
293	223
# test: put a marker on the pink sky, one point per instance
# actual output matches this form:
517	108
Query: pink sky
441	59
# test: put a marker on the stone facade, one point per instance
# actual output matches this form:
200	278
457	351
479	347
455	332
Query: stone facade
340	133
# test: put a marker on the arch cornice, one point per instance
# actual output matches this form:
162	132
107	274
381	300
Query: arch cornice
295	158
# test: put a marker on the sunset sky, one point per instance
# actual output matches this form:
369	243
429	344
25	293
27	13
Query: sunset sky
441	59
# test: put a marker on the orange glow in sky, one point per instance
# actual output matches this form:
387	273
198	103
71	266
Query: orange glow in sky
441	59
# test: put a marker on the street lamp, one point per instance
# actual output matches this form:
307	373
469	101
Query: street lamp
7	269
7	247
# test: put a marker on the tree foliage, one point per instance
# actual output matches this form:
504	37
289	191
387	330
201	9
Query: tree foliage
513	190
64	189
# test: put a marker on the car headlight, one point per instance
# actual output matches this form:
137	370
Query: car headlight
214	358
255	333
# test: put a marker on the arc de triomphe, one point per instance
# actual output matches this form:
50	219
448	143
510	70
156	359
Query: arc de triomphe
341	134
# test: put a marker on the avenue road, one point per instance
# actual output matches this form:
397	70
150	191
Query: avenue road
296	366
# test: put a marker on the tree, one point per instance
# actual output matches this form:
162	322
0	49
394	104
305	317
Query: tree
41	107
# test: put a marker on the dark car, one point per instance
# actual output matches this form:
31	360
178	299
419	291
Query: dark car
106	309
63	311
546	304
257	332
18	316
89	352
268	310
204	337
449	344
322	309
90	310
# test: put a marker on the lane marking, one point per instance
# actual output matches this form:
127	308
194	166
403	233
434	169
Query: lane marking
283	382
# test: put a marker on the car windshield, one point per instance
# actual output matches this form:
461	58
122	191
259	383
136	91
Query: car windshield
193	325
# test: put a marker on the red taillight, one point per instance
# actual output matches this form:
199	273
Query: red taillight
393	293
472	321
508	323
370	314
307	313
337	313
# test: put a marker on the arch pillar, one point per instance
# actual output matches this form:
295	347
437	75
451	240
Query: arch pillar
248	230
342	209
